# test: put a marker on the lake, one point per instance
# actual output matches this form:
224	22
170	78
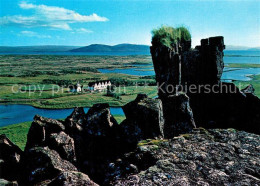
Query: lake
231	56
240	74
11	114
229	74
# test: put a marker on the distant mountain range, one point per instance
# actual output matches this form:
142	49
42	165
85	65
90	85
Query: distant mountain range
115	48
145	49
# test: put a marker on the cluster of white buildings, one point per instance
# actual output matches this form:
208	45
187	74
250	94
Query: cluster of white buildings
99	85
92	86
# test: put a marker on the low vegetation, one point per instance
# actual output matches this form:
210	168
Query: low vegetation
168	36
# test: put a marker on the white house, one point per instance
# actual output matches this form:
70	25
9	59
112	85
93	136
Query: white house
99	85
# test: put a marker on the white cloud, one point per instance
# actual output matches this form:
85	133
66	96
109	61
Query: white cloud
83	30
27	33
49	16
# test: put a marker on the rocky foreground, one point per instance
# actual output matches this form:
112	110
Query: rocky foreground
91	149
204	157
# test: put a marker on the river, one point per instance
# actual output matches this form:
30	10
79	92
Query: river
11	114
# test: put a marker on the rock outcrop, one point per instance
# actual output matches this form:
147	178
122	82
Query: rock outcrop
204	157
64	145
178	115
10	157
42	164
197	72
144	119
208	157
40	131
99	143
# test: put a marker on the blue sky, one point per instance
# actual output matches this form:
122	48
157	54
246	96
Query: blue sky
84	22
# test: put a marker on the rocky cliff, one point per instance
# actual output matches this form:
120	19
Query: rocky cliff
160	142
197	72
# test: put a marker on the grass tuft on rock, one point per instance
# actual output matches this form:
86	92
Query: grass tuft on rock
168	36
184	33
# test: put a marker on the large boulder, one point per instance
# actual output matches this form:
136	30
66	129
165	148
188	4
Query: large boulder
74	127
64	145
99	121
74	122
130	134
178	115
10	156
147	114
42	164
40	131
100	141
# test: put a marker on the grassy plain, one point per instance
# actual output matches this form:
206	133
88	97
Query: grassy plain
42	81
242	65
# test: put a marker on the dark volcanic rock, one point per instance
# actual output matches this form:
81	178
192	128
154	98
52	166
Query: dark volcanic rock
42	165
166	64
215	104
211	60
10	156
213	157
100	141
72	178
178	115
40	130
226	107
74	122
147	114
99	121
64	145
74	127
130	134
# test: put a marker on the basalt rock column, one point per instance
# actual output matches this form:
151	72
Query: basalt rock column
176	110
212	64
203	65
166	62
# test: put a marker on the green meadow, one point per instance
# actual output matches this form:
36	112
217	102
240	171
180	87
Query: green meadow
43	81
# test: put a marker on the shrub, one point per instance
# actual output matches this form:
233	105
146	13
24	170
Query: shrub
62	83
184	33
111	92
169	36
164	36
